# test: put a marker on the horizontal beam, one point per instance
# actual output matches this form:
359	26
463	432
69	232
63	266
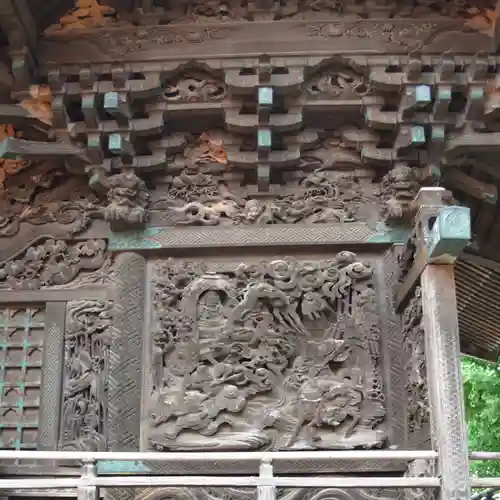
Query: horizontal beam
232	481
484	455
168	238
255	456
485	482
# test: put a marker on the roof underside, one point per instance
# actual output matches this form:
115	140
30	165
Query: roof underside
478	304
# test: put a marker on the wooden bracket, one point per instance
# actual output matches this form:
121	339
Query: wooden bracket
11	148
118	105
441	233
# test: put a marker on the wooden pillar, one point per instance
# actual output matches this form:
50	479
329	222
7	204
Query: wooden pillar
125	374
441	232
442	346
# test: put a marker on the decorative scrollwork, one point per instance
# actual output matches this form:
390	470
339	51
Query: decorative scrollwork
52	263
341	84
195	87
322	196
416	372
282	355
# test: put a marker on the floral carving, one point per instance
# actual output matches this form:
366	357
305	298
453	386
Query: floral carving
52	263
280	355
411	37
121	44
86	347
416	373
195	87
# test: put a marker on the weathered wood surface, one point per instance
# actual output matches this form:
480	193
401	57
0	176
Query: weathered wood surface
449	432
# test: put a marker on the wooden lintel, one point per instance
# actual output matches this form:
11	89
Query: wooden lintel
469	142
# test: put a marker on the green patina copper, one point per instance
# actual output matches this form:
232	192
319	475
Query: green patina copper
264	138
131	240
121	467
265	96
450	234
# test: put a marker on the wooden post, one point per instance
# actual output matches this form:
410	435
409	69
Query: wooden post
442	347
441	233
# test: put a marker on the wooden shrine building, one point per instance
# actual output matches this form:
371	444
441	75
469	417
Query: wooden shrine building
245	226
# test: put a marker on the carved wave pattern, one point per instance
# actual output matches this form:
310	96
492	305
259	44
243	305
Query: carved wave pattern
280	355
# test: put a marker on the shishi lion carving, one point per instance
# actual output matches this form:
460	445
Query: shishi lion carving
280	355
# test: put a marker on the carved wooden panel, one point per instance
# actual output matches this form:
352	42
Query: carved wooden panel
86	348
271	353
416	373
251	494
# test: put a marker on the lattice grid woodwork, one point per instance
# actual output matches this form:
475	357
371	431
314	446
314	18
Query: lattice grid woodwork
21	349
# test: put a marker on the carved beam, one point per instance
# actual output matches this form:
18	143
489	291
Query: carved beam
441	233
12	149
468	142
456	179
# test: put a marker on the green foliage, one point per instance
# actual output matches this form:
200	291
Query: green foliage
481	382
